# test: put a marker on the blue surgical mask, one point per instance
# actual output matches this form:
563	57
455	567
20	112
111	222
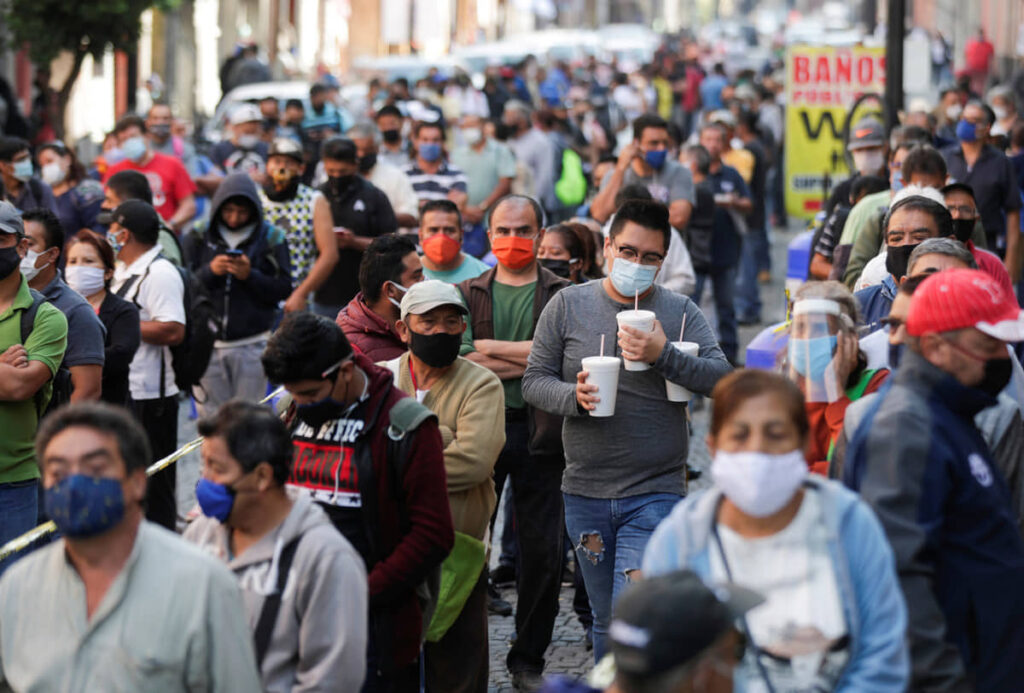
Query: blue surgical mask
656	158
631	278
215	500
810	357
113	156
22	170
966	132
897	181
134	148
83	506
430	152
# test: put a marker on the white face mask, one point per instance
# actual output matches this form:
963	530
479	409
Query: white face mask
953	111
472	136
1000	112
83	279
248	141
52	173
757	483
869	163
397	303
28	265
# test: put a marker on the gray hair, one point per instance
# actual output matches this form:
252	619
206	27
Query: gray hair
1004	92
517	106
364	131
949	247
833	291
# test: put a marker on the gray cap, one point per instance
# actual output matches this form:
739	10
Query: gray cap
425	296
868	132
10	219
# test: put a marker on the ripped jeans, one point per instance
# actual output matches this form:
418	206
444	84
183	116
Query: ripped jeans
609	536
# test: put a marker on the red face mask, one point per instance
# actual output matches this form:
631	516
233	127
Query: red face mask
441	249
513	252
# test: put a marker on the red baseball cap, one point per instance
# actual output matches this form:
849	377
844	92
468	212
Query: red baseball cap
961	298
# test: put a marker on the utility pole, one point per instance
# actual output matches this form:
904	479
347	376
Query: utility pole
894	61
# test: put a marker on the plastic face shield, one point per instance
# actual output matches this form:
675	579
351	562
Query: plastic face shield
813	337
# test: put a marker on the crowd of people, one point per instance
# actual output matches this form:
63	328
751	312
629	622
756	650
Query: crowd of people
447	296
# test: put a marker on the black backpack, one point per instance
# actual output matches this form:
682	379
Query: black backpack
61	379
191	356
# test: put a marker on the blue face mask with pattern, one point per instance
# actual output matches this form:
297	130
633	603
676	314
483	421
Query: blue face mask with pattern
83	506
430	152
810	357
631	278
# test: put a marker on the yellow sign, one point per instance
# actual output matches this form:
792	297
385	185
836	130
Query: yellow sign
822	83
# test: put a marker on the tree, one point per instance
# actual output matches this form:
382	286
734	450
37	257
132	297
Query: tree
83	27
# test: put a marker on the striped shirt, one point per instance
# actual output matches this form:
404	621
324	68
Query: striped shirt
435	186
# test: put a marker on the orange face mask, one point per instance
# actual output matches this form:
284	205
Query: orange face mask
441	249
513	252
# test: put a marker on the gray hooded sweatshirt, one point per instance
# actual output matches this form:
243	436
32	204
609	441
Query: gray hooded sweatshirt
319	640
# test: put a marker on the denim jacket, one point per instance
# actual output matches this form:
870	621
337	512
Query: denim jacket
873	605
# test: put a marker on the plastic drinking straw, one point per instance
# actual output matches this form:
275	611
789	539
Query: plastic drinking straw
602	345
682	328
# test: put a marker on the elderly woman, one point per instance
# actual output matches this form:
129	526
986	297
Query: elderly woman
825	360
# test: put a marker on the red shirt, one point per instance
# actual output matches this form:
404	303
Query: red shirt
977	54
167	178
990	264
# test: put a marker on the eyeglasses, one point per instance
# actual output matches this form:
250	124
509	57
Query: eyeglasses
967	211
629	253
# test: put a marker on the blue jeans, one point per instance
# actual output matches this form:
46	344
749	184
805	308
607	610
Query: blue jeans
19	508
748	291
723	282
610	535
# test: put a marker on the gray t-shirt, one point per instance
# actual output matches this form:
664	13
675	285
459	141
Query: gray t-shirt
673	182
643	447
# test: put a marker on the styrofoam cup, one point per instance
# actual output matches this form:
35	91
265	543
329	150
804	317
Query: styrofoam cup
603	371
642	320
678	393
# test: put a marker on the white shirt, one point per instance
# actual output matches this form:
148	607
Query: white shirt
160	296
874	272
397	187
802	616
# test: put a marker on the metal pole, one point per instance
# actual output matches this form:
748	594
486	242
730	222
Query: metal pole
894	62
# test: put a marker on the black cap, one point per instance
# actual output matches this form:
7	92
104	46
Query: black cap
138	217
956	186
665	621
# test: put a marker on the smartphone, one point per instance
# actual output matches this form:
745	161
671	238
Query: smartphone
234	252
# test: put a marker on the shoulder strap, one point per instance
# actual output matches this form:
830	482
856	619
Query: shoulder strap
28	316
406	416
272	603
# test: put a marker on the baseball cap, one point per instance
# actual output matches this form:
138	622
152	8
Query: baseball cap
246	113
665	621
868	132
137	216
425	296
10	219
960	298
722	117
285	146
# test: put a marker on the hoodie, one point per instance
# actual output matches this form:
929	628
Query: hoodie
319	640
244	307
368	332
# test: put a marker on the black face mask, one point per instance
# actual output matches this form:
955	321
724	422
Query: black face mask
896	259
160	131
997	375
366	163
963	229
9	261
287	193
895	353
391	136
339	184
436	350
560	267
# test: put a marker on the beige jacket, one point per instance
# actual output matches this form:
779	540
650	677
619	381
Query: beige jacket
470	406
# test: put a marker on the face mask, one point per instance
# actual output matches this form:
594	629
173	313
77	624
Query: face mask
83	506
966	132
113	156
161	131
472	136
215	500
631	278
391	136
953	111
52	174
895	354
441	249
810	357
1000	112
83	279
402	289
430	152
248	141
9	261
868	163
366	163
114	243
436	350
757	483
28	265
513	252
897	181
562	268
134	148
340	184
22	170
963	229
896	259
997	375
656	158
